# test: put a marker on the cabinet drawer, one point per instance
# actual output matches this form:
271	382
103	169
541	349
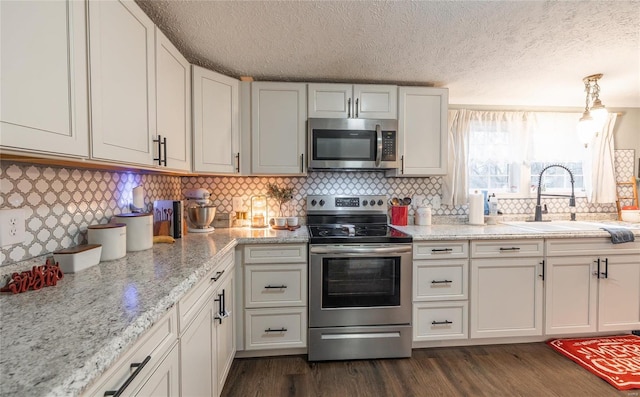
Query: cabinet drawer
190	304
440	280
275	253
507	248
275	285
589	246
440	320
441	249
275	328
154	344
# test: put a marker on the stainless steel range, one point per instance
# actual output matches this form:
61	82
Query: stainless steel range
359	280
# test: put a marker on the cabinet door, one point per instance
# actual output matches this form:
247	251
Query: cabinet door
571	292
330	101
216	131
278	133
422	126
374	101
197	354
44	104
122	82
165	381
619	294
173	101
225	336
506	297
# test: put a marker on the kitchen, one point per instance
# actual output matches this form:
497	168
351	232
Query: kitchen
61	201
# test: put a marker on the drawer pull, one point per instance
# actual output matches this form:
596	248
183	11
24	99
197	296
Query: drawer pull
217	276
442	250
138	367
441	281
283	329
445	322
275	286
509	249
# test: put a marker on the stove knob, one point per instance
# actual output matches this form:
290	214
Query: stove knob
313	203
372	202
365	202
380	202
321	203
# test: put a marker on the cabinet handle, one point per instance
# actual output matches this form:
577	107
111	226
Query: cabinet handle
441	281
349	108
606	268
222	310
442	250
160	141
542	275
217	276
138	367
302	163
597	272
402	164
275	286
283	329
238	162
445	322
357	105
509	249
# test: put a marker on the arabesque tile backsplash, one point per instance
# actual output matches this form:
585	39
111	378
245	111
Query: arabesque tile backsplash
60	203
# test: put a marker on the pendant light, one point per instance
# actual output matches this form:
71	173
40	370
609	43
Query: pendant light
595	114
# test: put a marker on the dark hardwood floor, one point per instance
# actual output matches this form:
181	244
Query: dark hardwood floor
531	369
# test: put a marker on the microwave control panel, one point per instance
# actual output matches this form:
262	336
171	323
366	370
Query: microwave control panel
388	146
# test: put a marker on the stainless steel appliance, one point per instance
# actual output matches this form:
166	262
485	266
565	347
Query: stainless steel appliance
353	144
359	280
200	211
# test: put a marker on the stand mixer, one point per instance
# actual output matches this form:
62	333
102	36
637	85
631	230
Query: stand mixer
200	212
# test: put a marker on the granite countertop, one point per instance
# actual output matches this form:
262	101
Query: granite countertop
58	340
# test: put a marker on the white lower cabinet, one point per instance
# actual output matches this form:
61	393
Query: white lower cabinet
150	367
440	290
592	286
506	290
207	340
274	284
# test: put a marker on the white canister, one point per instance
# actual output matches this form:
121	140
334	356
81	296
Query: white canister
139	230
423	216
112	237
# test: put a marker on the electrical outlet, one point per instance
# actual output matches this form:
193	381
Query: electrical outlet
436	202
12	227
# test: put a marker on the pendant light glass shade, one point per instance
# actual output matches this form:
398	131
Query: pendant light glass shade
594	116
586	128
599	113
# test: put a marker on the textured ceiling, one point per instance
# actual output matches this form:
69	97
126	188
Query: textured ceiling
517	53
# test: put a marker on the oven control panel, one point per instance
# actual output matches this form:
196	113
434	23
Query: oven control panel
359	203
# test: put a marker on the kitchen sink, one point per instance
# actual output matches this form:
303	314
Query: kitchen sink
563	226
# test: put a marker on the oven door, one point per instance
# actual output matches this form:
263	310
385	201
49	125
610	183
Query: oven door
352	144
359	284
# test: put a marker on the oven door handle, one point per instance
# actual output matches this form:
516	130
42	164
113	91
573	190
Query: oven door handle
360	250
378	144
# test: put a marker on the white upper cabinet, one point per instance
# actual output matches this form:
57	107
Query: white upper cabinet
173	103
422	127
216	132
365	101
278	133
123	94
44	77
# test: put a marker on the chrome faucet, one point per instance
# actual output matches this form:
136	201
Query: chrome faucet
572	197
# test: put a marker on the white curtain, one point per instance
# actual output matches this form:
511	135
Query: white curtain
599	166
455	189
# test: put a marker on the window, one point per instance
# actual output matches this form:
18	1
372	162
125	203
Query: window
508	150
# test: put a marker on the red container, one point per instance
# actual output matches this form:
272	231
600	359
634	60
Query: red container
399	215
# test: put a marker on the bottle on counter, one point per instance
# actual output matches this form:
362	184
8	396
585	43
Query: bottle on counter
493	205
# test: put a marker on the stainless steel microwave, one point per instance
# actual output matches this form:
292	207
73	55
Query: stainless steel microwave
352	144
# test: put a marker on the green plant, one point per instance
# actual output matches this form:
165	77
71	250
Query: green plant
282	194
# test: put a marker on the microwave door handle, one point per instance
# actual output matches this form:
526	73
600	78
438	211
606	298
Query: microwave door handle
379	144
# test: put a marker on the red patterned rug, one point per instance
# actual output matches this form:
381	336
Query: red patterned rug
615	359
